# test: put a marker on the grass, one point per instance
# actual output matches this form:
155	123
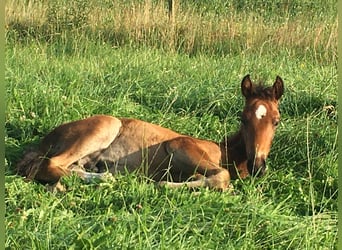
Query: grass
57	72
217	27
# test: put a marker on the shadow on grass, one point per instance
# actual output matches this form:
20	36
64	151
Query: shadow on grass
299	106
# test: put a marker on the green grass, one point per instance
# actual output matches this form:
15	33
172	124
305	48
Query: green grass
50	82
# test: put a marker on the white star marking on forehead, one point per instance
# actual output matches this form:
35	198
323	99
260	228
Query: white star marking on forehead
260	112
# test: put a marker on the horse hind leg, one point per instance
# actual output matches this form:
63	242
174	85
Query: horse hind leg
77	169
87	139
89	176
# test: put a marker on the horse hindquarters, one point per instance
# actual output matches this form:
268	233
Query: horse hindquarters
67	144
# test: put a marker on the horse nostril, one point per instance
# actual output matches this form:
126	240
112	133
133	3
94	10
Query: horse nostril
262	163
262	167
256	167
275	123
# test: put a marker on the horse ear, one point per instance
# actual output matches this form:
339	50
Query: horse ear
246	86
278	88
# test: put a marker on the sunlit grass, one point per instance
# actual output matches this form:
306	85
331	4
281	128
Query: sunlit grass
189	29
75	75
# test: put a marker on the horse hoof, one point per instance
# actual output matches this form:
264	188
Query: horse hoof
54	188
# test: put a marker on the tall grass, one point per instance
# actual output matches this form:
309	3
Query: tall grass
230	28
67	60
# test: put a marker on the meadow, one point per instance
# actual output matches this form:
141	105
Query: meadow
180	67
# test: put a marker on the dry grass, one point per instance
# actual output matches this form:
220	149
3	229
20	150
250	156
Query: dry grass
185	30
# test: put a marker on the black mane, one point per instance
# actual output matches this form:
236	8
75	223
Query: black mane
262	92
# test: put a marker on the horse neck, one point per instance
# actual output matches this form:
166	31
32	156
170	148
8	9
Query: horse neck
234	156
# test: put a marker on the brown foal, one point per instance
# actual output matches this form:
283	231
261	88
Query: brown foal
102	142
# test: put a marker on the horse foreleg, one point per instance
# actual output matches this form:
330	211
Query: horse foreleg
190	158
217	181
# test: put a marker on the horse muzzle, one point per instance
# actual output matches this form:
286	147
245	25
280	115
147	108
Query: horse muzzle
256	167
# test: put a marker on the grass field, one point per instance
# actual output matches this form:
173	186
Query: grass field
67	60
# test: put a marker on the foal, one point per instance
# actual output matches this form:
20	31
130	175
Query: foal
104	142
